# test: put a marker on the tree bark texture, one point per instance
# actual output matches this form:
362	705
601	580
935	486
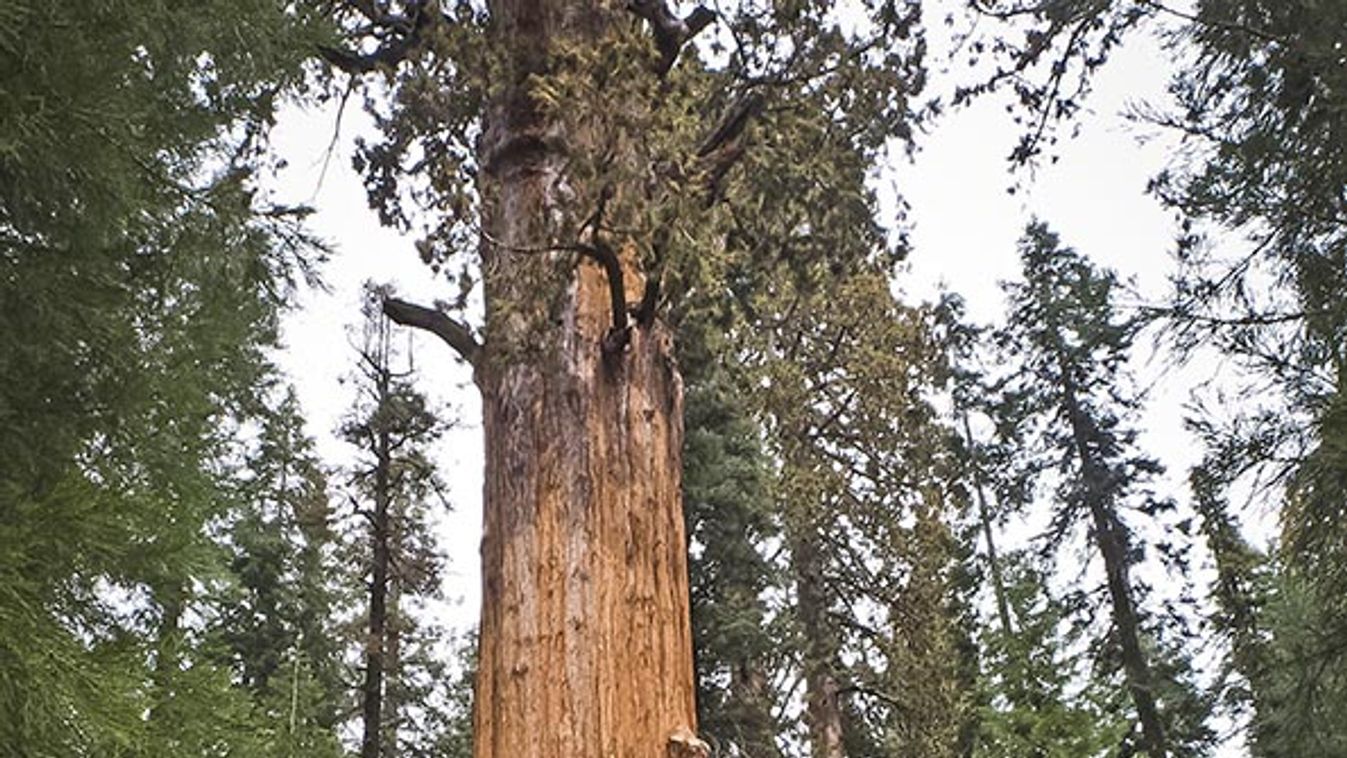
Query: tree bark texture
585	643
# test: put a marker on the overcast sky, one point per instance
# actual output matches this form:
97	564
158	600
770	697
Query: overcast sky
964	228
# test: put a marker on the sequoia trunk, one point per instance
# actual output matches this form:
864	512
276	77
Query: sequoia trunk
585	644
585	640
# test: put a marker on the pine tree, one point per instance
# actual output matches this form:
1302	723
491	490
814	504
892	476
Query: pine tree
1277	180
139	277
1035	695
731	524
1259	88
1067	350
393	485
277	620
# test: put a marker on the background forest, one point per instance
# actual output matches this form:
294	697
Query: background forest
915	528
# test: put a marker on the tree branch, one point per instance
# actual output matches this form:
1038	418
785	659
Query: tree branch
406	36
732	125
602	254
725	145
455	333
671	32
883	697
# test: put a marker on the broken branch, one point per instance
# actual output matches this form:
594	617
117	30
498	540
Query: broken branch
671	32
453	332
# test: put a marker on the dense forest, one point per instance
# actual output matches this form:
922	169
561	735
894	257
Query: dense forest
743	495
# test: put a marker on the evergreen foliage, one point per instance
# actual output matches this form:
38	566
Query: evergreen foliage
140	281
1259	89
394	484
860	473
1065	350
288	586
731	524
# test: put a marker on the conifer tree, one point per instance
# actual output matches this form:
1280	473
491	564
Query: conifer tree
1259	89
139	275
731	524
1035	692
278	619
865	498
394	484
583	163
1068	351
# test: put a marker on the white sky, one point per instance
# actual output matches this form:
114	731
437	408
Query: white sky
965	229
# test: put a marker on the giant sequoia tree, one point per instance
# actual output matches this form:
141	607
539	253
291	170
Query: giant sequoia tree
599	180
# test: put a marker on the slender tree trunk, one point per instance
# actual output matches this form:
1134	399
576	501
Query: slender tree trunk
1111	539
372	690
988	533
823	707
1113	547
750	701
395	695
586	645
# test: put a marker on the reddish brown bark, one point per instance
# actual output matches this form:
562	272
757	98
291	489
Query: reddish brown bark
585	646
585	639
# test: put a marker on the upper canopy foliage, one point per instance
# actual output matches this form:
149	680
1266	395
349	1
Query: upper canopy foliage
752	148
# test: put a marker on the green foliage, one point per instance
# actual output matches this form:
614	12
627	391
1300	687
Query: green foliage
1303	691
1064	353
730	523
393	485
1264	106
1038	696
456	731
276	616
864	497
138	289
